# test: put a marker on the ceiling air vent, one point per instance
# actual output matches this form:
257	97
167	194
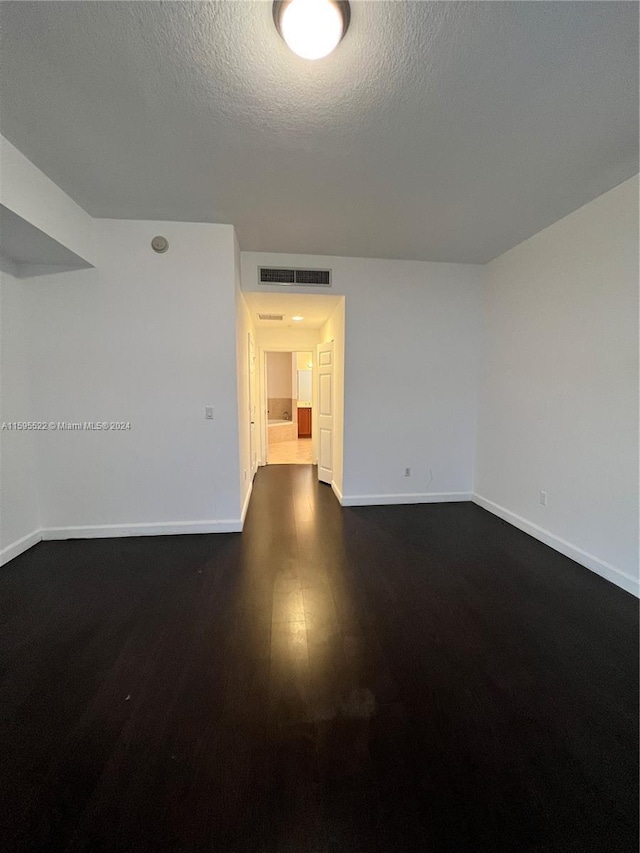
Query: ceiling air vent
270	275
270	316
289	277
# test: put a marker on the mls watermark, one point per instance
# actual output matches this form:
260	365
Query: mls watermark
65	426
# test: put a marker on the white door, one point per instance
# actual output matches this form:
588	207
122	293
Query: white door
325	411
253	453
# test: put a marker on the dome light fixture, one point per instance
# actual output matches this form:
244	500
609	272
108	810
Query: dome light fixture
312	28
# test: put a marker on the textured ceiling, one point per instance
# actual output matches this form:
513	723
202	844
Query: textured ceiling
440	131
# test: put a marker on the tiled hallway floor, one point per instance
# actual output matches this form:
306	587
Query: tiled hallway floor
297	452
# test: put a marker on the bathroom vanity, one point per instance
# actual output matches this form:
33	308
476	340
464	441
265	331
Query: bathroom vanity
304	421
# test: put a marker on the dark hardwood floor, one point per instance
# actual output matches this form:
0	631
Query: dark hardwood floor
418	678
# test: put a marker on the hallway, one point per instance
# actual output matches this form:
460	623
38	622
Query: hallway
400	678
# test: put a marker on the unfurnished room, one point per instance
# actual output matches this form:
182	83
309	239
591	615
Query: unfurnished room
319	426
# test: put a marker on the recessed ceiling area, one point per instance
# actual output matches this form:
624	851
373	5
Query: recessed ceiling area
442	131
313	308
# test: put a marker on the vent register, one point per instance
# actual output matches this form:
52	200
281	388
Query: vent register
288	277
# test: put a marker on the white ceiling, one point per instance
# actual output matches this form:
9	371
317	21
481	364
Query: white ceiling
314	308
437	130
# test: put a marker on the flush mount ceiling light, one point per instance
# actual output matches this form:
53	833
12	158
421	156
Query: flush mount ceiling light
297	318
312	28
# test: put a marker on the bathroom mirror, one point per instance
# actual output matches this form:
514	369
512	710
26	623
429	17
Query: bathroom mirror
304	385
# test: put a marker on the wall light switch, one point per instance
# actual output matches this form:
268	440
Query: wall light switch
543	498
208	412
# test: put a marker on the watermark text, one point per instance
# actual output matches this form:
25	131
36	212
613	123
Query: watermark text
65	426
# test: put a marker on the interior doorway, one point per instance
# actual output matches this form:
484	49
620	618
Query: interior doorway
312	326
289	384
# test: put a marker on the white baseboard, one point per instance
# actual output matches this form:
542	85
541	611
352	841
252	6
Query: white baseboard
160	528
417	498
337	492
600	567
109	531
20	546
245	506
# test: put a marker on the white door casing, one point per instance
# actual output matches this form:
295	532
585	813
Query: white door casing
324	366
253	455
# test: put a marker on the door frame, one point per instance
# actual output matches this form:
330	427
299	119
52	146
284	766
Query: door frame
262	394
254	427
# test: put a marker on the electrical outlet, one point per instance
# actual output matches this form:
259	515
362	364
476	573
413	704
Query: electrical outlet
208	412
542	499
407	472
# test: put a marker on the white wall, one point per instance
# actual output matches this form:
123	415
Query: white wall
559	385
334	330
279	376
149	339
19	511
244	327
303	359
402	313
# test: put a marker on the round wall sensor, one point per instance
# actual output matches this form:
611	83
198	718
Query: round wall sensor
160	244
